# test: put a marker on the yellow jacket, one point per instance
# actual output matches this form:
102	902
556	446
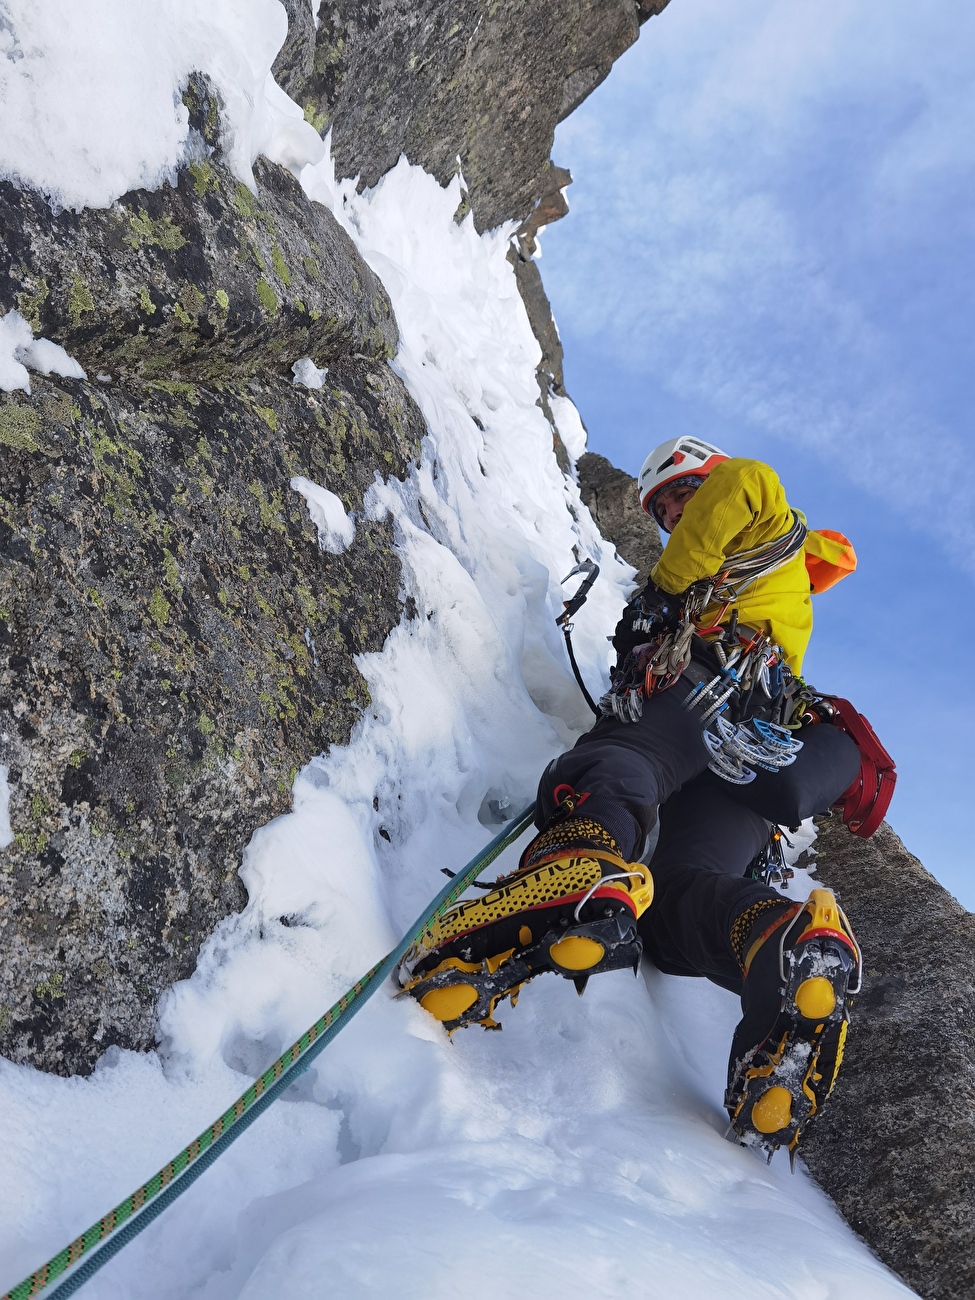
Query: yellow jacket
742	504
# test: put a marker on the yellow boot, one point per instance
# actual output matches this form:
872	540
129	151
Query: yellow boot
571	910
802	967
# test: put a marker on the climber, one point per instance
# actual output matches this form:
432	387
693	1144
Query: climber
709	736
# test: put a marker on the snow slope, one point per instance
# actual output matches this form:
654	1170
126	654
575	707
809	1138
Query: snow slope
579	1153
90	92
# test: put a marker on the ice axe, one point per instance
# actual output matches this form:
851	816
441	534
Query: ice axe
571	606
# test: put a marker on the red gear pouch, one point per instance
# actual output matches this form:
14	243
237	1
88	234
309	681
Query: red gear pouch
864	804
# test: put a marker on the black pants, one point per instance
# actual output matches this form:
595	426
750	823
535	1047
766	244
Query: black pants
709	829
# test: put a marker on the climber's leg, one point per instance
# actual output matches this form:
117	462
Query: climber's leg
573	904
706	842
801	966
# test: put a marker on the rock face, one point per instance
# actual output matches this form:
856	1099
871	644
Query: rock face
611	495
445	79
467	84
896	1149
174	643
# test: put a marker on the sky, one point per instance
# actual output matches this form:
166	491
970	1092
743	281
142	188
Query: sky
771	244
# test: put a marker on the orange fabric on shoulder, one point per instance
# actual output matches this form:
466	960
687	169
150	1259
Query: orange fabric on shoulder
829	558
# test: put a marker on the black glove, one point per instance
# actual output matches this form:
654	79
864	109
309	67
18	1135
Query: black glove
652	612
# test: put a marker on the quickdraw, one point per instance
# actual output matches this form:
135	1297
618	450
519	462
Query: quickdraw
742	668
762	744
769	866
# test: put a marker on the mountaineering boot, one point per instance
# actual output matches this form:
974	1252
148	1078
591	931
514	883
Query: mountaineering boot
802	966
571	907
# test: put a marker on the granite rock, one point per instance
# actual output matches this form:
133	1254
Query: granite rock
896	1150
174	644
461	82
612	497
201	278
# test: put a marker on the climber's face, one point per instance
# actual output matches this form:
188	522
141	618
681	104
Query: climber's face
670	503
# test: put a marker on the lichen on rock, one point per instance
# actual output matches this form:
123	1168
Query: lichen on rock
175	642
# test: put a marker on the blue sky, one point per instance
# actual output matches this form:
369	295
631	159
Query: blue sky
772	244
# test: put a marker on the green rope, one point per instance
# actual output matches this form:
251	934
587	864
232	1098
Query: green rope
137	1211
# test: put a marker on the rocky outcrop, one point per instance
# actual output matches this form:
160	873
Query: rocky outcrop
175	646
612	498
448	81
469	85
896	1150
174	643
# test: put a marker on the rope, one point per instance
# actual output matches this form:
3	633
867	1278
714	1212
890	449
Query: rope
121	1225
746	567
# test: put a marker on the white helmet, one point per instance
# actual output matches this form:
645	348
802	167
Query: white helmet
678	458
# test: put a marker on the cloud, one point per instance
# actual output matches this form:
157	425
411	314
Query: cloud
773	215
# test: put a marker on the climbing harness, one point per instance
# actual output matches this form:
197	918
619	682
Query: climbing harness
746	661
564	620
743	666
122	1224
748	666
751	661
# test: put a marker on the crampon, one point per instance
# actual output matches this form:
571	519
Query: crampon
574	915
808	967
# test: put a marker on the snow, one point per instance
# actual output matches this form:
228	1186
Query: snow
579	1153
49	358
90	93
6	834
571	429
15	337
336	531
307	374
20	351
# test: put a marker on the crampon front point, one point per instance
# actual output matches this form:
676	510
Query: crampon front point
777	1086
574	915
